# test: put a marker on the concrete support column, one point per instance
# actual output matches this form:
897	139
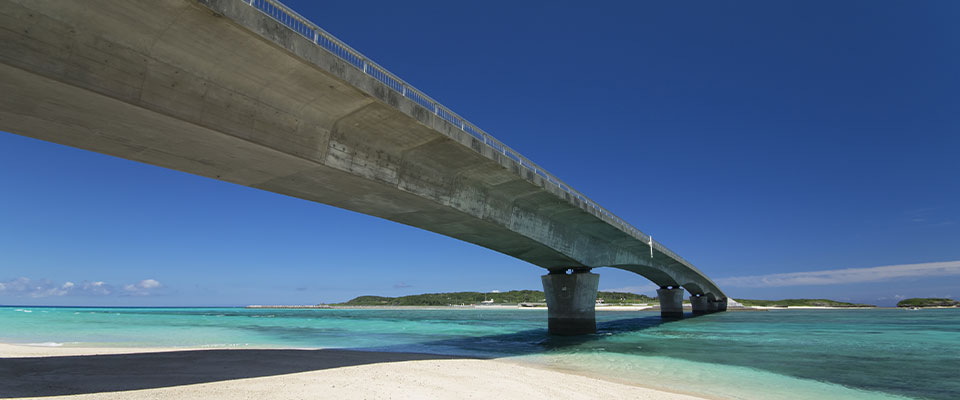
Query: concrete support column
723	305
713	306
671	302
571	301
699	304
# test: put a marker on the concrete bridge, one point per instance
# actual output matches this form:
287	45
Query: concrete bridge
250	92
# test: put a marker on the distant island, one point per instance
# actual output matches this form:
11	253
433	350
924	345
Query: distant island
928	302
536	298
467	298
801	303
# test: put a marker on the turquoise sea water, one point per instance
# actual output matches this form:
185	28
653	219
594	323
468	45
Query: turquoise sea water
784	354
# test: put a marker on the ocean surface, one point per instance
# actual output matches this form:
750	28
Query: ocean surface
781	354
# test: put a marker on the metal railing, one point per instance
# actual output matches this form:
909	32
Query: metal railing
322	38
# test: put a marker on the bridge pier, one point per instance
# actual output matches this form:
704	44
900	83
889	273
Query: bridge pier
713	306
699	304
723	305
671	302
571	301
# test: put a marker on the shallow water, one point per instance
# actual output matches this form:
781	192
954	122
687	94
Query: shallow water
784	354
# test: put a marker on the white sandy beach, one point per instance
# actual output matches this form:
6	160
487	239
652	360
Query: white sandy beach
152	373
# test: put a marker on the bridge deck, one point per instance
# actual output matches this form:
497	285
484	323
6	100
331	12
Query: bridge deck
220	89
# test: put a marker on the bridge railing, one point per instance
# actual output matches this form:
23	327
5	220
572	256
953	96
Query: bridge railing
322	38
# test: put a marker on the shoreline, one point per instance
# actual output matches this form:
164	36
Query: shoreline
599	308
812	308
254	373
633	307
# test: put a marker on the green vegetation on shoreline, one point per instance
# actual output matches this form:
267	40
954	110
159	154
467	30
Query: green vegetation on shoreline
511	297
800	303
537	297
928	302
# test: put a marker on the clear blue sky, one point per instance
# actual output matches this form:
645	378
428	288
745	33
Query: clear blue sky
751	137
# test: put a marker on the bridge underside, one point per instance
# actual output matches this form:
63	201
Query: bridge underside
215	88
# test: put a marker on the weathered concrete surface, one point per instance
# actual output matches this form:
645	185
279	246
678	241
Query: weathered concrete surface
671	303
571	302
700	305
218	89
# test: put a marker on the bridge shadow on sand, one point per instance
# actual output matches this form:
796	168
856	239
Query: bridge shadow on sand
72	375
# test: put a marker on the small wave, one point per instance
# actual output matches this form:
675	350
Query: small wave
22	310
46	344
